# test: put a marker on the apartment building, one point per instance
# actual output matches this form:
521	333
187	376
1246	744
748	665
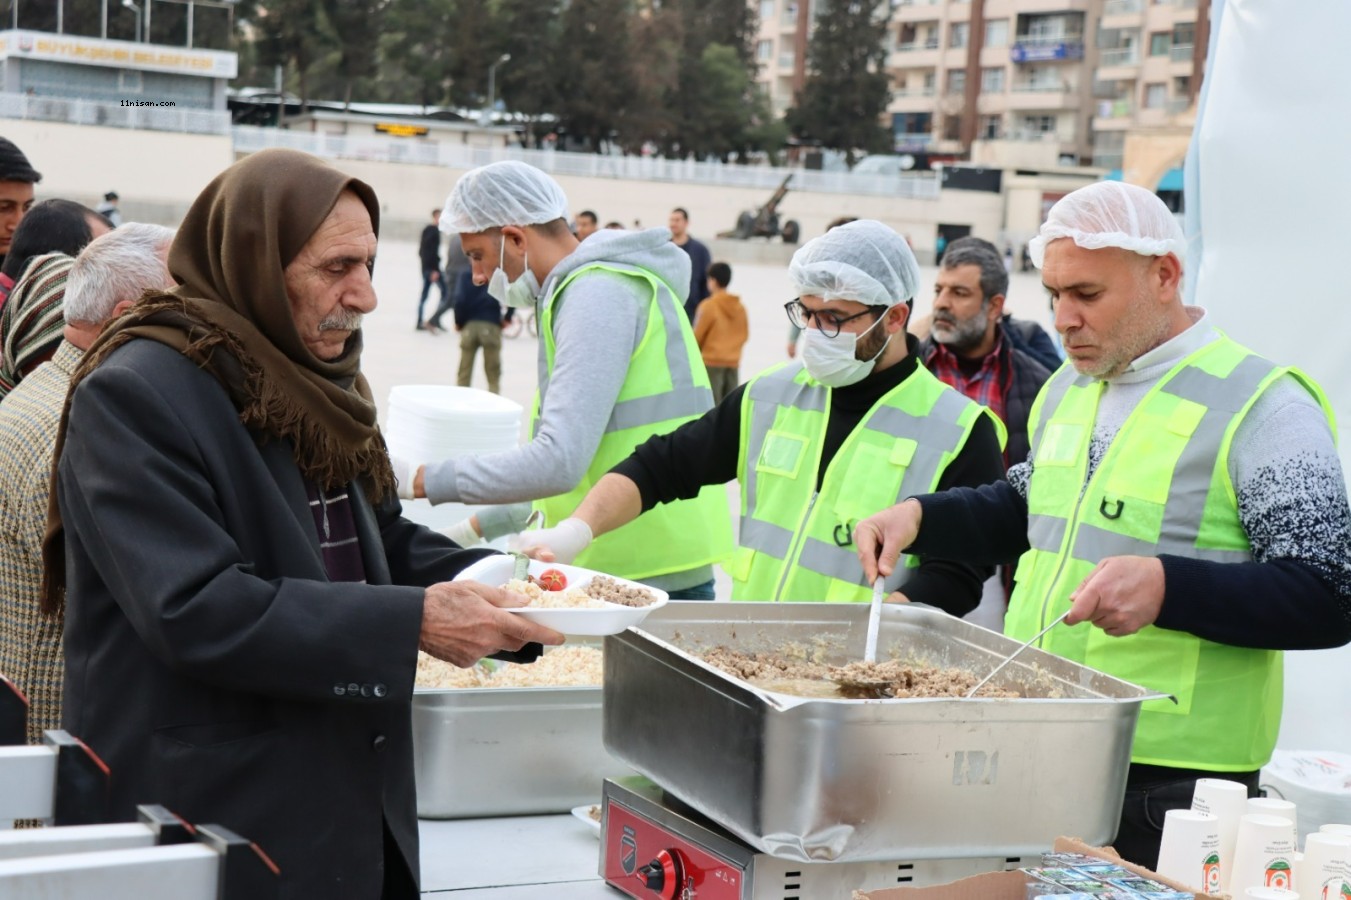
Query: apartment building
1072	76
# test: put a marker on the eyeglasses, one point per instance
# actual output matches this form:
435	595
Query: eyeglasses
828	323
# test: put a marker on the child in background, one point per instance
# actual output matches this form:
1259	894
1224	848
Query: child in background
720	329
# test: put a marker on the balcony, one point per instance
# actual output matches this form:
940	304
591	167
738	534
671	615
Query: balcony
786	61
1031	48
1179	105
1110	160
1118	56
1027	96
912	140
1115	115
1121	7
1181	53
788	20
915	55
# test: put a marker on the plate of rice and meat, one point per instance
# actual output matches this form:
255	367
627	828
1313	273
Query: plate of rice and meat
569	599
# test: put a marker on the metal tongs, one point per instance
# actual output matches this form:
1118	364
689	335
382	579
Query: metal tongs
1036	637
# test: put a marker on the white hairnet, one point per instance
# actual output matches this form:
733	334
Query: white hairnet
864	261
1111	214
502	193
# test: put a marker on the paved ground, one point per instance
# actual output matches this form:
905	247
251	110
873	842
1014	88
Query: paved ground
397	354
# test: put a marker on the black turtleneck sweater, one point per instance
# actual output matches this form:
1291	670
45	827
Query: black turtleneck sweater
676	466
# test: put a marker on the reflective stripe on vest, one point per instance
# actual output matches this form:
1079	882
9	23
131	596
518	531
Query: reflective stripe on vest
666	386
1163	486
901	448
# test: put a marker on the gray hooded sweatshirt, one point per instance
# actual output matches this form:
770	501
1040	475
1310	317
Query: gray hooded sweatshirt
598	321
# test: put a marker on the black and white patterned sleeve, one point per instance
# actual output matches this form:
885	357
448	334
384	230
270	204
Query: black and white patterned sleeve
1292	498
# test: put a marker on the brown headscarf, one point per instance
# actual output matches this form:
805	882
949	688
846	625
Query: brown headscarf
230	314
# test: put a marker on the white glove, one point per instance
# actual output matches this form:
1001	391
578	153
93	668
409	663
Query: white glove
565	540
463	533
404	472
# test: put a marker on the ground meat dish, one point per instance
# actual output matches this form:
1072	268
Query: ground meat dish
603	587
891	679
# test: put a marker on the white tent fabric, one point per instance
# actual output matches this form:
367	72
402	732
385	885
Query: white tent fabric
1268	204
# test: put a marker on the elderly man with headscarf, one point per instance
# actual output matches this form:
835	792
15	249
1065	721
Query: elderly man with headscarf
1183	496
617	363
822	442
243	601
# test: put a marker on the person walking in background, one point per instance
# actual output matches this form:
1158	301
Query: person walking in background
587	223
721	331
456	265
479	320
429	251
108	208
940	244
699	259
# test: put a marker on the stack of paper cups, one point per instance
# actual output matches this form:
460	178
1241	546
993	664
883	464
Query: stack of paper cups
1326	869
1273	806
1190	851
1266	893
1227	801
1263	854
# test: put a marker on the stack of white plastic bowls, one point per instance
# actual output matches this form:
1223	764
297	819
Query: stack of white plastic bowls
431	422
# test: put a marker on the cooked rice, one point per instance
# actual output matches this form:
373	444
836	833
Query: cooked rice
558	667
568	598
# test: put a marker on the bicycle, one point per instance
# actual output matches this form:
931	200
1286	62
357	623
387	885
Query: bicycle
513	328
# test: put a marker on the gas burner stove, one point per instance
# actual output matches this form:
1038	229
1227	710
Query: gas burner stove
654	847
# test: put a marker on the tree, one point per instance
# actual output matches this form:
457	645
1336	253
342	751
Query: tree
595	70
290	35
528	83
415	53
845	95
472	45
352	23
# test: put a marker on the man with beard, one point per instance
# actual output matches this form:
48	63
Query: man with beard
819	443
244	602
968	346
1182	495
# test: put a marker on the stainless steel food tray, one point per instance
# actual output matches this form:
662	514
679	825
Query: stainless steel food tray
508	751
853	780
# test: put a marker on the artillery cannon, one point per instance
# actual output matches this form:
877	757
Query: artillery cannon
764	222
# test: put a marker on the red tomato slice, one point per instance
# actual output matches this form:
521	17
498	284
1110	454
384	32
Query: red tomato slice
553	580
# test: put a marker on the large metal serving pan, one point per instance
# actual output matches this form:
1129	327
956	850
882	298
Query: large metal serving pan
508	751
851	780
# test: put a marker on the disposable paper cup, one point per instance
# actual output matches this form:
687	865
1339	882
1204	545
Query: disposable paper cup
1227	801
1190	851
1273	806
1326	869
1263	854
1263	893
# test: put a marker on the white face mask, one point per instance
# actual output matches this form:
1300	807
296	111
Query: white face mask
519	293
832	362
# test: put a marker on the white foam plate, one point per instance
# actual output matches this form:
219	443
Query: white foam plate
614	618
584	814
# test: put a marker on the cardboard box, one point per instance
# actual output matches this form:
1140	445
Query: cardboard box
1012	885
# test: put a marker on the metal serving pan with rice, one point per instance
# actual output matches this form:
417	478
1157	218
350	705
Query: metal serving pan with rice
501	751
817	780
